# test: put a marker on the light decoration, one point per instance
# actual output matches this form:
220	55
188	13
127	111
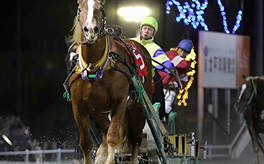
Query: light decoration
135	14
193	14
183	93
223	13
190	14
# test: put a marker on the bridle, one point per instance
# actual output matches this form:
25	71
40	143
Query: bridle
252	96
101	30
254	92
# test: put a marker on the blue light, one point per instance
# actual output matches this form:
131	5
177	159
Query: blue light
193	14
223	13
239	18
187	12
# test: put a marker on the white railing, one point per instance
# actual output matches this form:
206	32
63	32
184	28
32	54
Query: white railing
26	153
228	149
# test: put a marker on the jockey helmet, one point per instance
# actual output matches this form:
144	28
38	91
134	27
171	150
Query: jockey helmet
150	21
186	45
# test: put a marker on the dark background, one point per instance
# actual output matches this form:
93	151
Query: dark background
33	49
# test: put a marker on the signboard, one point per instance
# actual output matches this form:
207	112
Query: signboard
223	58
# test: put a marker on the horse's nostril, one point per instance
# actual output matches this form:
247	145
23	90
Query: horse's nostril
96	29
85	29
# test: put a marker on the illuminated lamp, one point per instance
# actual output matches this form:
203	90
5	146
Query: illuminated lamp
135	14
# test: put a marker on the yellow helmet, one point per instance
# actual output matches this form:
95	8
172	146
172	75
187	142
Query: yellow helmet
150	21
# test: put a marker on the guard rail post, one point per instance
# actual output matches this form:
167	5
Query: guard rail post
59	155
209	152
26	155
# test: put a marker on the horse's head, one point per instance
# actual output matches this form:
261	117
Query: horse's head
247	93
91	17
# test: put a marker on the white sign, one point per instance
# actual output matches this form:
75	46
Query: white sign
223	58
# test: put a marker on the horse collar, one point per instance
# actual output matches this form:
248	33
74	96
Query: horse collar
94	71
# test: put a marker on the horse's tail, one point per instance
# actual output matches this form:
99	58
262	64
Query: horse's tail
124	145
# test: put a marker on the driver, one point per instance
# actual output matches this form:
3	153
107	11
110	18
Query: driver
148	29
177	55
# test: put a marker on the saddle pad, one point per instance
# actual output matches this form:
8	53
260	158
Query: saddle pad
142	69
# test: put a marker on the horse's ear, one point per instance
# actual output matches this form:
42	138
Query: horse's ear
244	77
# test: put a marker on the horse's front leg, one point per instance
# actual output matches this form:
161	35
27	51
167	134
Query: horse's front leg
253	134
85	142
103	121
101	153
112	138
255	145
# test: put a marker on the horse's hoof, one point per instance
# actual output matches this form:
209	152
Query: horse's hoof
110	162
75	161
100	159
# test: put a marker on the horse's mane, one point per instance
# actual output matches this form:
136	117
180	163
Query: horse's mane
261	78
77	32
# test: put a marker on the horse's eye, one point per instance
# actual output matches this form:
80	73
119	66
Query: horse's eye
79	10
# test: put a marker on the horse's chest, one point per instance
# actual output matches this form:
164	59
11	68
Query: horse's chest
102	95
99	98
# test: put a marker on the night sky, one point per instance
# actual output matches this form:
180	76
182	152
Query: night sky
33	50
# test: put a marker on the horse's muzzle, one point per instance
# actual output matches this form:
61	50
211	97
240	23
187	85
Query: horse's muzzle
241	107
91	34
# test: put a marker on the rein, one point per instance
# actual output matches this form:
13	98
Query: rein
254	92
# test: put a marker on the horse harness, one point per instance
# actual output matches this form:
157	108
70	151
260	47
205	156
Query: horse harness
94	71
258	114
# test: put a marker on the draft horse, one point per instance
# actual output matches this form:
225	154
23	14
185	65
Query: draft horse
101	85
251	103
